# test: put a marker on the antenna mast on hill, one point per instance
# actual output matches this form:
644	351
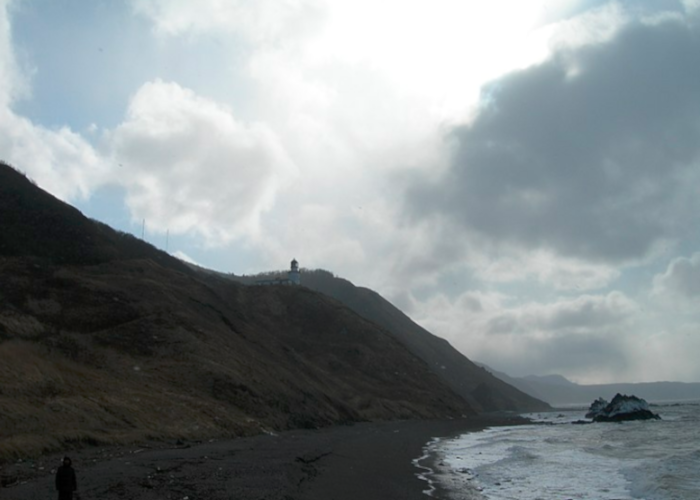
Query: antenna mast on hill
143	230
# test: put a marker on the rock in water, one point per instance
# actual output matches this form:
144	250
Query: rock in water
621	408
596	407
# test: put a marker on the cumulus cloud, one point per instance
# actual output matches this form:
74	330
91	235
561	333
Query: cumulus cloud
594	26
189	165
59	160
587	155
681	279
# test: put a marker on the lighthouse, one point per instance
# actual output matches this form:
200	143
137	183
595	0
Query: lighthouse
293	275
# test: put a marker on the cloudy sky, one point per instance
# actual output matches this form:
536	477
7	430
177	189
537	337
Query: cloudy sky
521	177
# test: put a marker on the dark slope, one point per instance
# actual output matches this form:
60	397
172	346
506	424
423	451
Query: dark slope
479	387
101	343
36	223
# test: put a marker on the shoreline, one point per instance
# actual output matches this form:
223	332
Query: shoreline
366	460
445	484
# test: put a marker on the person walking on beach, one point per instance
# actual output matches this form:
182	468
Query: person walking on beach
66	483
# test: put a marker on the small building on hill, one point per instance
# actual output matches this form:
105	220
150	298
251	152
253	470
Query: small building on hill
293	274
293	277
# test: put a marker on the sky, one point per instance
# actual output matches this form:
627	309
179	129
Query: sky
522	178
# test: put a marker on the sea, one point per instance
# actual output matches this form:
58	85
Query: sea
557	459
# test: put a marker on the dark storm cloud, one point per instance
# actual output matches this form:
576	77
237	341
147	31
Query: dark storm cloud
588	154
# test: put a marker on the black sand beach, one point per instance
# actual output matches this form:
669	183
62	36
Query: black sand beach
360	462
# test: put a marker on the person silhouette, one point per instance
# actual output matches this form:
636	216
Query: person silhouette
66	482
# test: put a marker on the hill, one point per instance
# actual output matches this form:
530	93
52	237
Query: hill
105	339
34	223
476	385
558	391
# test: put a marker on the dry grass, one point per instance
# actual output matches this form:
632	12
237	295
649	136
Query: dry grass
21	325
50	403
132	351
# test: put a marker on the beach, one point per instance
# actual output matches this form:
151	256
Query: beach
364	461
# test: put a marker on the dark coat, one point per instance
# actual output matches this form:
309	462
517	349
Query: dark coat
65	479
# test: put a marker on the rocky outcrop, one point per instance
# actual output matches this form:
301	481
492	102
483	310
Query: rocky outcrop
620	409
596	407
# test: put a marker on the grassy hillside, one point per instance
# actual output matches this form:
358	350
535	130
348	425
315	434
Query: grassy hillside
104	339
34	223
480	388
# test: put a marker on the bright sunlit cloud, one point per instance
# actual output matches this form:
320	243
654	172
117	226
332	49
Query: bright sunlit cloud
438	51
189	165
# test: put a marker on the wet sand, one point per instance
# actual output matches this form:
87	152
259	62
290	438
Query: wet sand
365	461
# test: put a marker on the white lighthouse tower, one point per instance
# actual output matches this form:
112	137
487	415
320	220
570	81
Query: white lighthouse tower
293	274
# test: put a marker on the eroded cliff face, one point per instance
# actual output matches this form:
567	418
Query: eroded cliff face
103	338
